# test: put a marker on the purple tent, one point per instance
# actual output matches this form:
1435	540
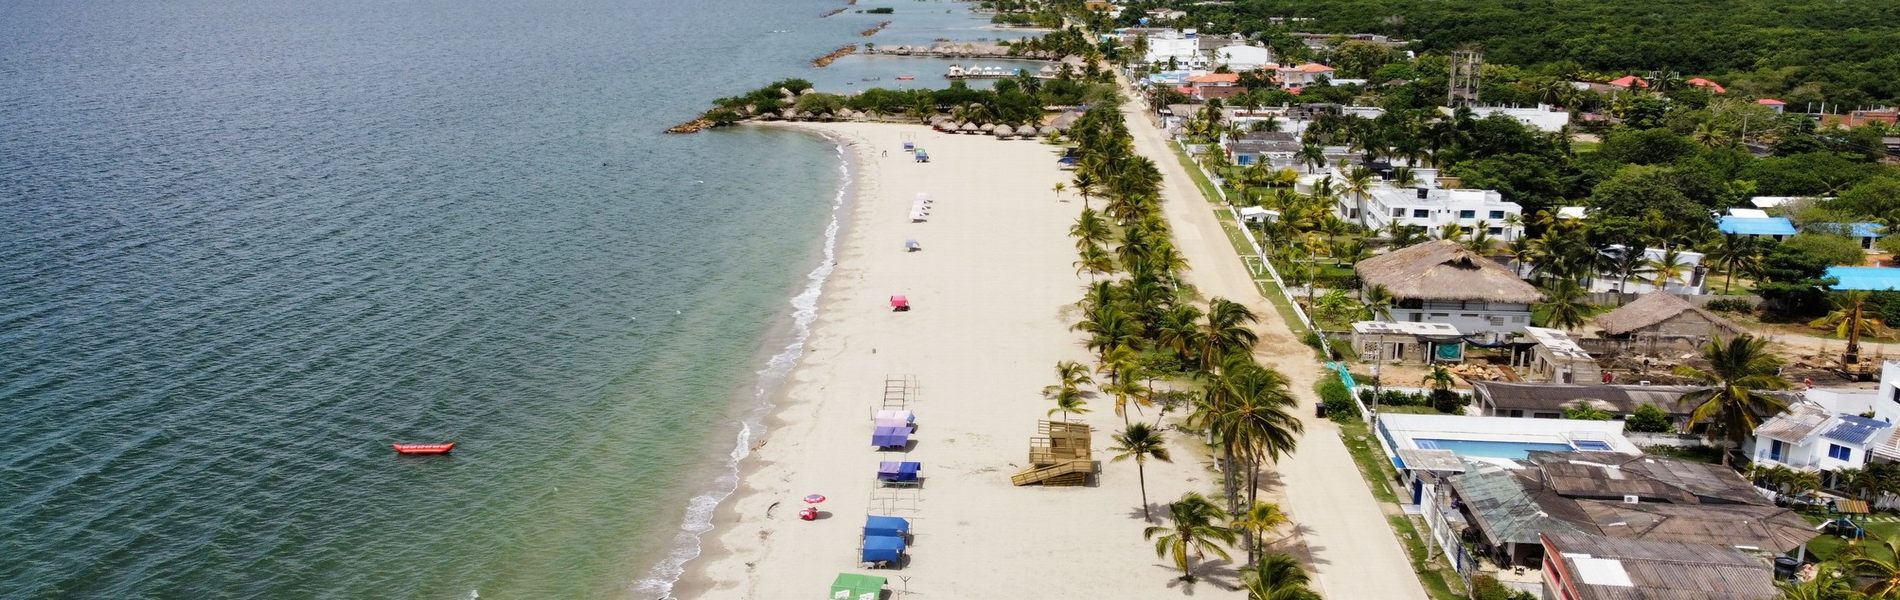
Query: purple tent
890	437
898	471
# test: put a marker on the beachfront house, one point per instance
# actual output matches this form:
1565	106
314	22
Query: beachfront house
1442	282
1549	401
1580	566
1658	321
1424	204
1275	149
1811	437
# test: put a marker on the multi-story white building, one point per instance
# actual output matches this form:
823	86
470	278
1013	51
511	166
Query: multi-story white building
1542	117
1825	432
1181	46
1431	207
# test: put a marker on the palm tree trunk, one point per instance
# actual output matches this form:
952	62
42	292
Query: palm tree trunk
1729	282
1141	472
1227	478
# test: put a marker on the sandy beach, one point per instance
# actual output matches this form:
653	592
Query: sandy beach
993	290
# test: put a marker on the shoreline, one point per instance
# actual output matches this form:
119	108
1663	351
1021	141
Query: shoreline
994	287
755	418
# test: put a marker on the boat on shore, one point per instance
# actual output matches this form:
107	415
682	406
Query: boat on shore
424	449
906	77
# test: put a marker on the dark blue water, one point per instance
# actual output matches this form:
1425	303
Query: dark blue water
244	246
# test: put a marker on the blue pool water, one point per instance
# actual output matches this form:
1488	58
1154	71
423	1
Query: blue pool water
1490	449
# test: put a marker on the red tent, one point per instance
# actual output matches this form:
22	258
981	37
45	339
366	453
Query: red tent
900	303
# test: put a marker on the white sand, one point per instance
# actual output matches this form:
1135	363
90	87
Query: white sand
993	290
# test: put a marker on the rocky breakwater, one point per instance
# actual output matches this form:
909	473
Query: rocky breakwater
827	59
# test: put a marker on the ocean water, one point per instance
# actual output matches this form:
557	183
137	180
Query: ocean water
245	245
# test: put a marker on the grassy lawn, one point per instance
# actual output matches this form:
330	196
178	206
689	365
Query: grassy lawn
1829	546
1436	577
1194	171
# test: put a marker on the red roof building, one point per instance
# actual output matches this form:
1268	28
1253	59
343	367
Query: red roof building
1629	81
1707	85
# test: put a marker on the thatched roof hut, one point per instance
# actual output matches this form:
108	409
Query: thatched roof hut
1659	311
1004	131
986	127
967	127
788	114
1444	270
1049	130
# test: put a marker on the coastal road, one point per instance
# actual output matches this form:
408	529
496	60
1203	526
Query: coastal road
1353	550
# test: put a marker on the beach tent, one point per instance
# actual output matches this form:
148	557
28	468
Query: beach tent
923	197
852	586
894	418
890	437
900	303
912	245
882	549
898	471
876	526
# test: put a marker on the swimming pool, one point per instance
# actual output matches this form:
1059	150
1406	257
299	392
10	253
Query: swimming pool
1490	449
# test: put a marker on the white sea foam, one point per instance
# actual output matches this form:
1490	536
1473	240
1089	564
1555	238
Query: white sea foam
699	511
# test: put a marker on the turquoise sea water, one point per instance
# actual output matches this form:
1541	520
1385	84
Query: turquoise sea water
244	246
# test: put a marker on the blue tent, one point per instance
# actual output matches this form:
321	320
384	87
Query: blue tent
890	437
898	471
883	549
876	526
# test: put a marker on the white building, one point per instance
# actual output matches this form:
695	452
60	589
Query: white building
1825	432
1690	280
1442	282
1299	76
1244	58
1543	117
1182	46
1431	207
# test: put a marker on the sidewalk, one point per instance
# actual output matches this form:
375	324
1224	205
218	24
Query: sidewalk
1354	553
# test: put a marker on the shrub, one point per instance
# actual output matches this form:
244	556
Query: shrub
1730	305
1447	401
1338	401
1648	419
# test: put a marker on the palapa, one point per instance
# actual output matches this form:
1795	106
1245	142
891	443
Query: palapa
1444	270
1650	309
967	127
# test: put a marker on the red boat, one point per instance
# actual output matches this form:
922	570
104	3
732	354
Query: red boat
424	448
906	77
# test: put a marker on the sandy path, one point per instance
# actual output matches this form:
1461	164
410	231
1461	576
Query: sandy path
992	291
1352	549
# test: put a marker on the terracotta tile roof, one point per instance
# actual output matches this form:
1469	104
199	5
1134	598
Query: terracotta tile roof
1629	81
1215	78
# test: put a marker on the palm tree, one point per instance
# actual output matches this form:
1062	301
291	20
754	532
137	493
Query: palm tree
1480	240
1226	332
1736	253
1313	156
1564	304
1067	394
1259	519
1628	261
1178	330
1379	302
1668	269
1738	369
1109	328
1192	534
1277	577
1090	229
1885	571
1140	442
1058	189
1849	320
1512	221
1359	185
1521	250
1094	261
1085	185
1826	585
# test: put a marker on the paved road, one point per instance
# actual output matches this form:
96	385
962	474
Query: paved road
1354	552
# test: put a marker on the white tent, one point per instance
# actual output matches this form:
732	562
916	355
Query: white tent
1255	214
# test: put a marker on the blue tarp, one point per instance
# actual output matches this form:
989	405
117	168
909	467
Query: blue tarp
898	471
882	549
876	526
1864	278
1756	226
890	437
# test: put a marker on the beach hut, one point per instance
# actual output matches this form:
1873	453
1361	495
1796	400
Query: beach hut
1048	130
880	526
890	437
852	586
912	246
967	127
882	550
898	472
1004	132
986	127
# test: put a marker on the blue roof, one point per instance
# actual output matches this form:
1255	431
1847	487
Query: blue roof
876	526
1864	278
1859	230
1756	226
1854	429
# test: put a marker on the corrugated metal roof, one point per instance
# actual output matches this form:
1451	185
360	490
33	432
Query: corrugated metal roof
1650	570
1555	397
1797	424
1750	226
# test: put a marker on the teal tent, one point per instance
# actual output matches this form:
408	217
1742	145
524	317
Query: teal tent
852	586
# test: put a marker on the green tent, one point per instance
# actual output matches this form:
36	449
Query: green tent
852	586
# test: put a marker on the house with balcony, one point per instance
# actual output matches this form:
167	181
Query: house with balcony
1825	431
1180	48
1431	207
1442	282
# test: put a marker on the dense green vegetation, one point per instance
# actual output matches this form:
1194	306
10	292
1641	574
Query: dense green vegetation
1015	101
1836	51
